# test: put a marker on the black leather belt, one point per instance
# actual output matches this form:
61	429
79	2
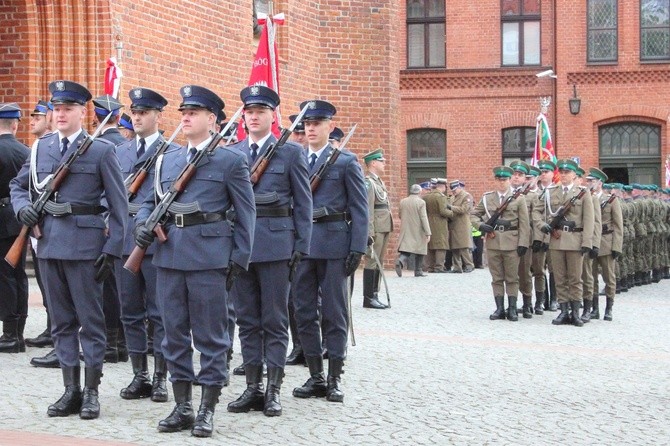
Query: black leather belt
569	229
341	216
381	206
502	228
198	218
273	212
81	210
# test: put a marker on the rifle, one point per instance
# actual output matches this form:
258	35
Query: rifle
160	213
135	181
262	162
558	219
608	201
53	184
496	215
315	180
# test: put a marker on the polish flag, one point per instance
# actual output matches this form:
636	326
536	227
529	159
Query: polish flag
113	76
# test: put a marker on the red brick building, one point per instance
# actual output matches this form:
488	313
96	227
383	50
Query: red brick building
447	88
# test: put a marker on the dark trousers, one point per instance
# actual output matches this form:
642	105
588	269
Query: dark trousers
13	285
75	308
261	305
479	250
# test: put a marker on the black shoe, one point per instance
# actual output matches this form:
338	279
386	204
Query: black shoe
204	421
500	308
253	396
239	371
70	402
420	273
586	314
159	391
575	319
398	267
468	270
333	392
90	407
316	384
50	360
296	357
563	316
10	341
42	340
452	271
539	300
272	403
140	386
373	303
182	416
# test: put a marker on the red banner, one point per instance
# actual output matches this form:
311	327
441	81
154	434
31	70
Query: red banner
112	77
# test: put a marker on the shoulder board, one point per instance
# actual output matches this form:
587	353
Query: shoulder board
46	135
368	183
489	192
552	187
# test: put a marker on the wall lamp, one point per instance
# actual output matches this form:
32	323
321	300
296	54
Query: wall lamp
574	102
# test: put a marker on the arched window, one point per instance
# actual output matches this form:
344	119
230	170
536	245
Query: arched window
426	155
518	143
630	152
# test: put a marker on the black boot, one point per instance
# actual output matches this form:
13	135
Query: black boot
204	422
624	284
608	309
333	392
553	297
370	278
140	386
49	361
500	308
563	316
400	263
111	351
43	339
595	310
586	314
90	407
182	416
272	406
527	307
539	298
10	341
159	391
296	356
511	309
418	266
316	384
253	397
121	346
576	320
70	402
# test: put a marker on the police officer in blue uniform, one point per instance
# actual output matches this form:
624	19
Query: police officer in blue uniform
13	281
339	236
197	264
75	253
282	236
137	293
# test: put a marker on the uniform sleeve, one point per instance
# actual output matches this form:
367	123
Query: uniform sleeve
117	202
617	226
477	213
302	203
242	196
597	222
588	222
358	206
524	222
538	216
18	188
370	189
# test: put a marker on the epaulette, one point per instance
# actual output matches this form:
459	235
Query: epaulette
46	135
174	148
490	192
552	187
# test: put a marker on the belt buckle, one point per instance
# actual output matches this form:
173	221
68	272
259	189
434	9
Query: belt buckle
500	228
179	220
566	228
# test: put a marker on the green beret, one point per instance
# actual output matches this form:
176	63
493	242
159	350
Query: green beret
502	172
567	164
533	171
618	186
627	187
546	165
374	155
608	186
636	186
653	187
597	174
519	166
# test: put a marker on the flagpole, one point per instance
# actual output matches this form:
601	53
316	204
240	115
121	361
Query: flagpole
271	47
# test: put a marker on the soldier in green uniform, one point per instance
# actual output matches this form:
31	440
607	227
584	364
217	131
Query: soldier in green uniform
590	281
438	220
507	240
380	227
570	241
541	242
518	180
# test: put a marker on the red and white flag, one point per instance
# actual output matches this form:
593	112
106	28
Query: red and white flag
544	148
113	76
265	69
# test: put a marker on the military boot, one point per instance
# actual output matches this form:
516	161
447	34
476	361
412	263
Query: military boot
553	297
253	397
10	341
500	308
296	356
608	309
527	307
111	350
370	284
576	320
90	407
624	284
333	391
159	391
182	416
70	402
563	316
586	313
140	386
50	360
316	384
272	406
595	309
418	266
512	314
539	299
43	339
204	422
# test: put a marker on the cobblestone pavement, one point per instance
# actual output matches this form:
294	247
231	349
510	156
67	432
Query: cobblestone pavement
431	370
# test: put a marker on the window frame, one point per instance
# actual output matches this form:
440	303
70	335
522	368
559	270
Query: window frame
615	60
520	19
516	155
426	21
664	59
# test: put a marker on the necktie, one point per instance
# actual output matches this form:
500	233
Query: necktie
565	190
254	151
501	198
141	149
64	143
312	160
191	153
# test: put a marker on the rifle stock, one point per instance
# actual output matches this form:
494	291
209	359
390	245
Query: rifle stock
560	214
137	183
496	215
13	256
315	181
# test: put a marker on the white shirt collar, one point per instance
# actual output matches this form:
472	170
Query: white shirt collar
200	146
72	138
148	141
318	153
260	142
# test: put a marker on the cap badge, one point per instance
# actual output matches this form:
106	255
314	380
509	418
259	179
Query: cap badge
60	86
312	105
254	90
137	93
187	91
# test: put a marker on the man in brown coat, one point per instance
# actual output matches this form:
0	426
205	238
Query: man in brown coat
460	232
414	231
506	240
436	209
570	241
